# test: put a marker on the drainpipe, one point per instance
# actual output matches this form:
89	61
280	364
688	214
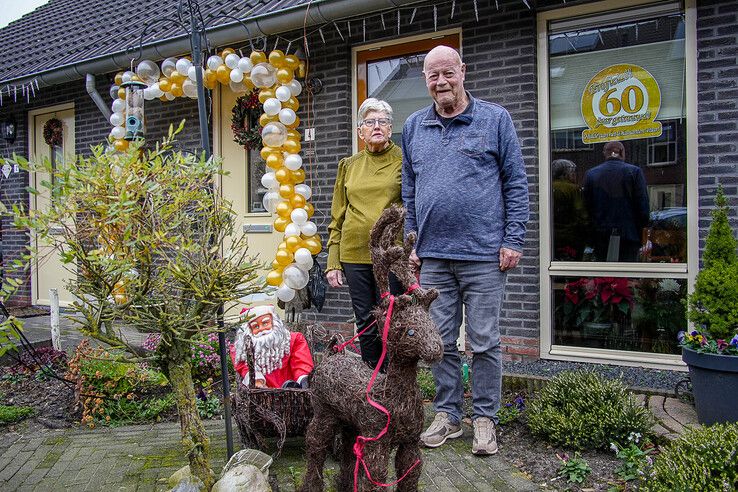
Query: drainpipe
96	98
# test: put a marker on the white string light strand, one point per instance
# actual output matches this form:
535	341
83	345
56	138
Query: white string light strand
412	17
524	1
384	28
476	10
453	8
497	5
320	30
435	18
339	31
398	22
363	25
348	27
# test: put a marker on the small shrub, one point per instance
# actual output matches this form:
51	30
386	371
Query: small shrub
583	410
634	457
427	384
114	392
205	356
703	459
208	408
574	470
10	414
511	411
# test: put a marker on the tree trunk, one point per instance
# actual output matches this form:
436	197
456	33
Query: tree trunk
194	438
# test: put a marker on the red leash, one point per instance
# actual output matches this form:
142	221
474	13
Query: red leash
362	440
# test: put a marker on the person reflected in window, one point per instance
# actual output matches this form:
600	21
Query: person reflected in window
569	212
367	183
617	201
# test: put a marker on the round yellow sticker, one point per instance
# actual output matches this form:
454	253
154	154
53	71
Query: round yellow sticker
621	102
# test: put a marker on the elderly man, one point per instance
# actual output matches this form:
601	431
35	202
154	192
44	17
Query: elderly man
282	358
466	193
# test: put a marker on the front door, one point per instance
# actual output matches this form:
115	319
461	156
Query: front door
242	186
47	271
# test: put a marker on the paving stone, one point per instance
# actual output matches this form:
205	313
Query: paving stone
682	412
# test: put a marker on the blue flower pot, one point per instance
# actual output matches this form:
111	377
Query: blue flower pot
714	385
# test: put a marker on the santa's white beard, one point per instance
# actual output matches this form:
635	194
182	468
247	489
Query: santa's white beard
270	347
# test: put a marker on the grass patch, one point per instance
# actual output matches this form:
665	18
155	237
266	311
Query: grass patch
10	414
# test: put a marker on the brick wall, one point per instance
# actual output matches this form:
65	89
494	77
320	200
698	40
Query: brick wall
717	93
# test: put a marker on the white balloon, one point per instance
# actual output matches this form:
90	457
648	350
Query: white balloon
299	216
293	162
118	105
287	116
127	76
303	256
283	93
270	200
272	106
189	88
236	75
169	96
309	228
232	60
116	119
183	65
168	66
285	294
118	132
237	87
114	92
263	75
269	181
214	62
148	71
295	87
304	190
245	65
192	73
291	230
148	95
274	134
294	277
156	90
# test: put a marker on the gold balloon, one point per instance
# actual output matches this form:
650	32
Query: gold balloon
285	75
284	209
291	103
265	151
313	244
210	83
248	82
265	94
284	257
293	243
176	90
276	58
283	175
177	77
265	119
294	135
282	245
165	85
297	200
118	78
121	93
280	223
295	124
286	191
120	145
301	69
274	278
298	176
292	62
226	52
309	209
257	57
275	161
291	146
163	98
223	74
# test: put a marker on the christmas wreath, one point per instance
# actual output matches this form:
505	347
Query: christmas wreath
53	135
245	121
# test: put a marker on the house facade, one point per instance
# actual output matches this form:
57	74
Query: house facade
659	77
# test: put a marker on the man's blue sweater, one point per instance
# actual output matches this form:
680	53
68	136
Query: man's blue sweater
464	185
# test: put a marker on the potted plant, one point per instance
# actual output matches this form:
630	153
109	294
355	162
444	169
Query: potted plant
660	313
711	349
592	303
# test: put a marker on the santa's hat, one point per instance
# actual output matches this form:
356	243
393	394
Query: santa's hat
256	311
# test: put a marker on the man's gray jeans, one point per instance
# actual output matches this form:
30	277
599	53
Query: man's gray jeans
479	287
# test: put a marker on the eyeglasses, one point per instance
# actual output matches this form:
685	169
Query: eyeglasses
380	121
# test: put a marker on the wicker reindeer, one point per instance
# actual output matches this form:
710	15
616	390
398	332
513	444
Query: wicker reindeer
390	415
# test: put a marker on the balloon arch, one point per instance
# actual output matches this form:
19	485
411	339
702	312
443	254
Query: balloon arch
275	78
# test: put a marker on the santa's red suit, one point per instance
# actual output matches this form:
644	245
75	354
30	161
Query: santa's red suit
298	363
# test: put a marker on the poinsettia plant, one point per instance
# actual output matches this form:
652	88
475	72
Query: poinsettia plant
596	300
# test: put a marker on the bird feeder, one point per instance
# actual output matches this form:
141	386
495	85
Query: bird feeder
134	109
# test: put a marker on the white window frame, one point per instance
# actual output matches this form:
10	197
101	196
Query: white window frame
602	12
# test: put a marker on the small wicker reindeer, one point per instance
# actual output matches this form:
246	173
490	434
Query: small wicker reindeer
339	383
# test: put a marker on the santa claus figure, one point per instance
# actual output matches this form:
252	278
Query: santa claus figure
282	358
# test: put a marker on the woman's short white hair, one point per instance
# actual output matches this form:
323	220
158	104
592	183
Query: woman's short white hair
372	104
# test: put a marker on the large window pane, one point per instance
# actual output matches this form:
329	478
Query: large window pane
636	214
635	314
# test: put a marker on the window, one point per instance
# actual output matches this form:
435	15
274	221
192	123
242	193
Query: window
617	179
393	72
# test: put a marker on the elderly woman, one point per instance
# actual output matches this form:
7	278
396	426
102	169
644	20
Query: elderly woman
366	184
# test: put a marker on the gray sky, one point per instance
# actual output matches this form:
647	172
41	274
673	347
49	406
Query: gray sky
11	10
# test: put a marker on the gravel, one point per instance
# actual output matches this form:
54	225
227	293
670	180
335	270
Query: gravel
640	377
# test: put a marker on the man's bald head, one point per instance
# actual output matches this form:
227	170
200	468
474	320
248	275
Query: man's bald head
444	76
442	52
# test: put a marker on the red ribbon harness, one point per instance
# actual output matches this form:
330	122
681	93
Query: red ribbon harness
362	440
